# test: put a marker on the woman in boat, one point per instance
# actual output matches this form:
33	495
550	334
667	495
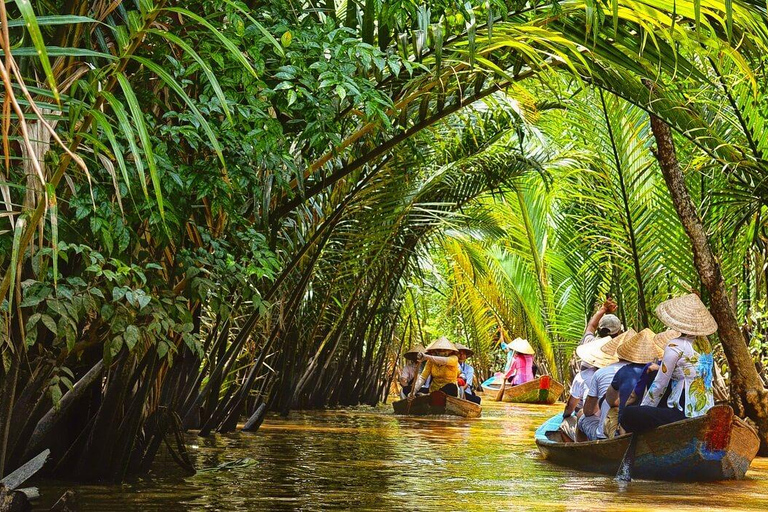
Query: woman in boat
466	374
442	366
409	371
521	370
686	370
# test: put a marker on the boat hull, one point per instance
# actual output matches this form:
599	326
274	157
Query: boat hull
716	446
542	390
437	403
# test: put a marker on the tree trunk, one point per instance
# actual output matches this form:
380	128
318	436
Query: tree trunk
748	396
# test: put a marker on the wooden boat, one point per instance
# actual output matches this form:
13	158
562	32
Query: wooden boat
542	390
716	446
437	403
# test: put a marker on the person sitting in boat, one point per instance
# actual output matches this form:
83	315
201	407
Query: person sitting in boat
442	365
521	370
649	373
594	411
409	371
593	359
466	374
639	351
686	371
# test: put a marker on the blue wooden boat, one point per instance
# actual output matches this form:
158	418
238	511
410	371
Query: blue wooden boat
716	446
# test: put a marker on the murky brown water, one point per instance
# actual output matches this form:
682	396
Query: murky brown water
368	459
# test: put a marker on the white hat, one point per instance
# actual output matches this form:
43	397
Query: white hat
611	323
591	353
521	346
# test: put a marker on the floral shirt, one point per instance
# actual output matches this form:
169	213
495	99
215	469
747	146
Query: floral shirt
686	371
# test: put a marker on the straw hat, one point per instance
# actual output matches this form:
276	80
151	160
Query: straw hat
663	338
640	348
463	348
611	323
521	346
592	354
411	354
687	314
610	347
442	344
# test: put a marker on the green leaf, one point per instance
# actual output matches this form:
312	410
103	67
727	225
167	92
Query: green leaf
56	20
50	323
131	336
57	51
25	7
125	127
53	207
146	143
18	231
101	121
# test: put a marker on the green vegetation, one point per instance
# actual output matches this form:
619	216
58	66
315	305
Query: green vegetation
213	204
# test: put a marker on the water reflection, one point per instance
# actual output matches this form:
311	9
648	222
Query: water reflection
368	459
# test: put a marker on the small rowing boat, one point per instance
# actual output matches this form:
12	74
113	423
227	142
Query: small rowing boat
716	446
542	390
437	403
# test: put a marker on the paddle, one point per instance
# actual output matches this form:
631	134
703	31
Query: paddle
500	394
625	468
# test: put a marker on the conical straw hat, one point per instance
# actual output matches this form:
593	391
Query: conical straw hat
521	346
610	347
640	348
592	354
663	338
442	344
687	314
463	348
411	354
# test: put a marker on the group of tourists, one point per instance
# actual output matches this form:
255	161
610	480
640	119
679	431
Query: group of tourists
632	381
442	366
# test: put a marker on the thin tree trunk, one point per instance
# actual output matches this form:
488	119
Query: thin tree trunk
748	395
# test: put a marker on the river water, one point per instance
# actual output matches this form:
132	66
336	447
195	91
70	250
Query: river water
369	459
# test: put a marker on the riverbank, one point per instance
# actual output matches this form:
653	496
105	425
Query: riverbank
366	458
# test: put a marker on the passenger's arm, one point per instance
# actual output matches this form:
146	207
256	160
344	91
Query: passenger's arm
612	396
664	375
608	307
591	406
570	406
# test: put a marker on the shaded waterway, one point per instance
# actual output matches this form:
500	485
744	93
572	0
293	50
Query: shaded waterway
369	459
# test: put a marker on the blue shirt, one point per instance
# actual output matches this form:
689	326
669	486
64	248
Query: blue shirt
469	373
624	381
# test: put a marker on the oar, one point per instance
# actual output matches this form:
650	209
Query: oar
625	469
500	394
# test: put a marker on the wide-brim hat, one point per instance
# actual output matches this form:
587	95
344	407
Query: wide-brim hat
463	348
591	353
687	314
665	337
611	323
442	344
411	354
610	348
521	346
640	348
